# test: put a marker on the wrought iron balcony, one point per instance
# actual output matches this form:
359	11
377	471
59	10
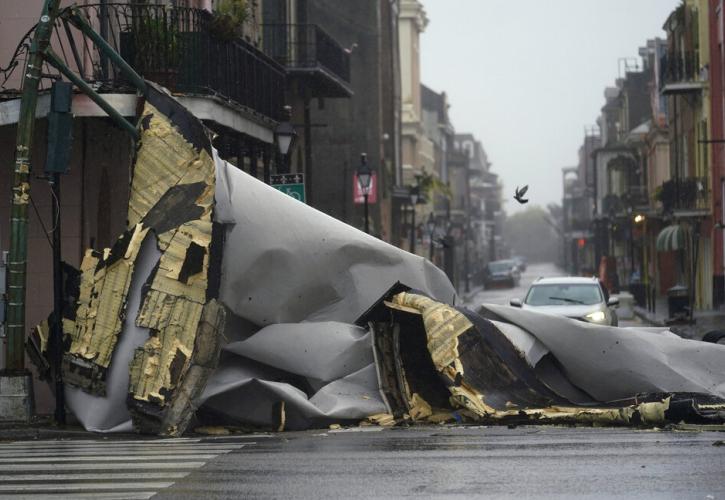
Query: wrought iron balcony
309	53
492	206
637	196
579	224
680	73
180	49
685	194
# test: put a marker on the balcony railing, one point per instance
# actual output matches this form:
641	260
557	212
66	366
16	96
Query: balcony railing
178	48
688	193
306	47
579	224
637	196
680	70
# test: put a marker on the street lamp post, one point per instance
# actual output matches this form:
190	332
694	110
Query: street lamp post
364	179
285	137
466	232
414	193
431	226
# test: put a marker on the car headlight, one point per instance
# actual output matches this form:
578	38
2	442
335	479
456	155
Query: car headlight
595	317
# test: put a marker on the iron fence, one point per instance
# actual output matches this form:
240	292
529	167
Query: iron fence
177	47
305	46
679	68
686	193
637	195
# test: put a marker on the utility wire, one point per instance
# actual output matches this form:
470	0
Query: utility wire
37	214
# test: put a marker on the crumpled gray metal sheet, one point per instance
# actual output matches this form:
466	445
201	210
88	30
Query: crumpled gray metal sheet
285	262
109	413
609	363
324	372
302	278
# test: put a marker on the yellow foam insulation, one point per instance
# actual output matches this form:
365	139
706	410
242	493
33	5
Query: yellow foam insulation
167	279
381	419
419	408
443	325
163	159
183	324
102	299
152	368
172	307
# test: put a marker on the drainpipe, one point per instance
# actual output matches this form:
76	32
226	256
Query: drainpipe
308	147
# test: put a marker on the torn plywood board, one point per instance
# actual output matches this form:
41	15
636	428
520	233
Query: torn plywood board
203	360
163	158
173	308
101	309
179	209
471	355
480	375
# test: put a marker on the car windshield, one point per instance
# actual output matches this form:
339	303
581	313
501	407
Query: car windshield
500	266
562	294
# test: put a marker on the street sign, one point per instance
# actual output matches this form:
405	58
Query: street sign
290	184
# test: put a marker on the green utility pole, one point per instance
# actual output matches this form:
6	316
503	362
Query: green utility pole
21	190
40	52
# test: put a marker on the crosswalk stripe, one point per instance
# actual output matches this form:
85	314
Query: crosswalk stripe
99	495
103	469
114	476
117	449
103	458
103	466
153	441
80	451
23	488
99	442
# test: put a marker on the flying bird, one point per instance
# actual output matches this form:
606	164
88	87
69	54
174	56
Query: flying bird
519	196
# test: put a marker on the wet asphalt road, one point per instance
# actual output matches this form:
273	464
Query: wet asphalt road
466	462
503	295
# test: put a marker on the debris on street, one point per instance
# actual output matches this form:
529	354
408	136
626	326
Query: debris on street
226	303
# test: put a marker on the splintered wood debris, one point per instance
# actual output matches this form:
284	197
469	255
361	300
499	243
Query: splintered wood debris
175	301
105	280
172	199
444	327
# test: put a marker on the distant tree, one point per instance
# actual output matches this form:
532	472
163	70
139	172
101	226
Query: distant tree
533	234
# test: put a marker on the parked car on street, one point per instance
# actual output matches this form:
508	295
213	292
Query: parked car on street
501	272
520	262
574	297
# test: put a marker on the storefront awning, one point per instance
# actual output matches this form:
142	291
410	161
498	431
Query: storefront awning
671	238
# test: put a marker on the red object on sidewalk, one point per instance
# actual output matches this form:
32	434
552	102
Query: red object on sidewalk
608	273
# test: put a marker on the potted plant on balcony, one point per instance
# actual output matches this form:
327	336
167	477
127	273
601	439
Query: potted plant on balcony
228	19
157	49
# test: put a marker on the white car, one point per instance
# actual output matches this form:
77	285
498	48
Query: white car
578	298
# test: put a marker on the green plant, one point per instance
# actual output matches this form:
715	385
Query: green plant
228	19
157	42
430	184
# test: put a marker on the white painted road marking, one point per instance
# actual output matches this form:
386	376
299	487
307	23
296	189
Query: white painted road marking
103	469
104	466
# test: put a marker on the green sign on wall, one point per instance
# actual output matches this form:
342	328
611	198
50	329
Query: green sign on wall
290	184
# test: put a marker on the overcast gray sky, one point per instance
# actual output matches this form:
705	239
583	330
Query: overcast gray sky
527	76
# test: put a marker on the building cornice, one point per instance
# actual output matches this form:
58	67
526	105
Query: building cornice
414	10
203	107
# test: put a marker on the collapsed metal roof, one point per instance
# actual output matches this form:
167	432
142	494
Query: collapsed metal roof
226	301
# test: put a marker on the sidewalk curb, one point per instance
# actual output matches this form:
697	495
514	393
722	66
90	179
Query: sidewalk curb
645	315
467	297
42	429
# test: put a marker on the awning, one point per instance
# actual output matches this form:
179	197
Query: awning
671	238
